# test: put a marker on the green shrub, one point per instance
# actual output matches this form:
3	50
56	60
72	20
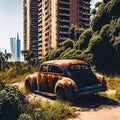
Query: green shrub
10	99
25	117
2	85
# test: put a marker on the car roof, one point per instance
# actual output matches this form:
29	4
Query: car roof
63	62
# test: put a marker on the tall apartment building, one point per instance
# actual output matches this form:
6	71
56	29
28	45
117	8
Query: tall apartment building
54	20
30	9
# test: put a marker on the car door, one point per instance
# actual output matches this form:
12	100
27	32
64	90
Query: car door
54	74
43	78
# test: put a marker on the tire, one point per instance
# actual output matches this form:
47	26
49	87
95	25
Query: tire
27	85
60	94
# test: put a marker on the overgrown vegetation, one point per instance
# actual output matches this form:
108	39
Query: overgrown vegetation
113	83
10	99
47	110
99	44
16	72
13	106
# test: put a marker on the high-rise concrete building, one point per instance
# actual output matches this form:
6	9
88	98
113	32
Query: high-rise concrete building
31	26
18	48
54	19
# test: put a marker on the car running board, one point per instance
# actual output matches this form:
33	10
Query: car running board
45	93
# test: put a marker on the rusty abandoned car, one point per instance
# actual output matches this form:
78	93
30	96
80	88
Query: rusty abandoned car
66	79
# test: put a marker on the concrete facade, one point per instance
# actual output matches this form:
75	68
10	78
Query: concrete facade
31	26
53	20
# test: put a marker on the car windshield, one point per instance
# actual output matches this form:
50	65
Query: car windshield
79	67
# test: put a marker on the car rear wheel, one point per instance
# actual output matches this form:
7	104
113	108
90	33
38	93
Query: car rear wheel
60	94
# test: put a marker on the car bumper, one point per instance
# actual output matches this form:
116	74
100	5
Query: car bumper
90	90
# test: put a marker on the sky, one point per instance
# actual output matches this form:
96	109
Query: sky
11	21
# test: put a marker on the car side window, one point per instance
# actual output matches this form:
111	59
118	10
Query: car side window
44	68
54	69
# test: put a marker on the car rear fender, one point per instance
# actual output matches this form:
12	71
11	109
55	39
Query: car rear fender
99	77
67	85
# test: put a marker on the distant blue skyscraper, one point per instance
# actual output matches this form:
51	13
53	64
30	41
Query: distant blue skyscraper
18	47
13	47
5	51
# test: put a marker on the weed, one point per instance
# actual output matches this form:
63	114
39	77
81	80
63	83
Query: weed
24	90
46	110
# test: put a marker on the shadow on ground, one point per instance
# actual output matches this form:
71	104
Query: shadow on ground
51	97
94	102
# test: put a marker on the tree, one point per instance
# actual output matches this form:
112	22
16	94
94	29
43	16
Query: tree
83	41
25	53
72	31
68	43
7	56
75	32
97	4
2	60
93	11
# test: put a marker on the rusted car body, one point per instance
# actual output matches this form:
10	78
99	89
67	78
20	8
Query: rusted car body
66	79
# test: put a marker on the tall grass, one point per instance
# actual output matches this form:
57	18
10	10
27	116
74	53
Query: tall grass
45	110
16	72
113	83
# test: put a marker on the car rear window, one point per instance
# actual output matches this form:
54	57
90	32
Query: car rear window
79	67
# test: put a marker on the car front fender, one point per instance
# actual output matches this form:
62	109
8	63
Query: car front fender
32	78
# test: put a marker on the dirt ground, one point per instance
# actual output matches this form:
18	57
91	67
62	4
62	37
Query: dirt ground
91	103
112	113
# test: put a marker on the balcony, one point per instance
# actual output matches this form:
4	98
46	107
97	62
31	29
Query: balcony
85	8
85	19
64	2
87	25
64	26
62	8
62	32
63	20
86	2
86	13
64	14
